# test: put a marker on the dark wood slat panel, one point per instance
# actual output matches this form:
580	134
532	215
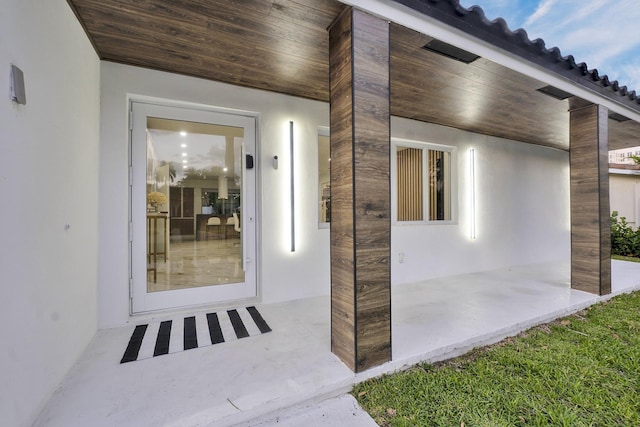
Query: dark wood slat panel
313	83
477	118
360	225
605	202
239	42
282	46
223	32
372	190
407	54
310	14
247	21
458	94
623	134
267	30
590	227
343	314
494	116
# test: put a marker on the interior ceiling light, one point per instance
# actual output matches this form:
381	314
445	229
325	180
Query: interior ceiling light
183	145
183	133
618	117
450	51
554	92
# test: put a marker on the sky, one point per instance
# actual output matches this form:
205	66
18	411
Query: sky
605	34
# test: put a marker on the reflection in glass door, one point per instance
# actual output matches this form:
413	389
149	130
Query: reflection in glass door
195	208
194	193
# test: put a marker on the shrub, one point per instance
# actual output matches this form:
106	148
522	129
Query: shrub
624	239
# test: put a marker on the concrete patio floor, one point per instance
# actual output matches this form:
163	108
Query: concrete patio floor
254	381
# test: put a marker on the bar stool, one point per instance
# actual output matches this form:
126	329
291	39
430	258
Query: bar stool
214	221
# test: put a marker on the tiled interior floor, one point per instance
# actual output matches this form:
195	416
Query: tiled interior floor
198	263
236	382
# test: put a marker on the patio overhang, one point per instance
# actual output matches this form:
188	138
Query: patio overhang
448	65
283	46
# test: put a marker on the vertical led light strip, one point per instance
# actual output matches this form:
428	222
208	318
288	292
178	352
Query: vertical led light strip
472	191
293	220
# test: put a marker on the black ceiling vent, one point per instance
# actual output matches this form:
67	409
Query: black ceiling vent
554	92
618	117
449	51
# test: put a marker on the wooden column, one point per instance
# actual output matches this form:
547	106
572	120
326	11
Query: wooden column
360	190
590	226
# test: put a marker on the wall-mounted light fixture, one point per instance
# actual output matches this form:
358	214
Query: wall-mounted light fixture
293	220
472	193
16	89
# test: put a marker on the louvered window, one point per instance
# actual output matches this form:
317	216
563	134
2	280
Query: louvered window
423	182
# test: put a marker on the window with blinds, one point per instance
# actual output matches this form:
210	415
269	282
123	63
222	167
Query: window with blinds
410	184
423	184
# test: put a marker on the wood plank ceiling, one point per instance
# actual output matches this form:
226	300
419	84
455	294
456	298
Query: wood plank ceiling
282	46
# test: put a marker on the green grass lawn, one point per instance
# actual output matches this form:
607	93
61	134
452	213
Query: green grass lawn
582	370
625	258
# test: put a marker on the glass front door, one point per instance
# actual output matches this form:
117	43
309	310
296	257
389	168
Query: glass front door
193	207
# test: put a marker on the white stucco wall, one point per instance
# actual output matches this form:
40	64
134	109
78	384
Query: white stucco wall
522	208
522	197
624	194
48	180
289	275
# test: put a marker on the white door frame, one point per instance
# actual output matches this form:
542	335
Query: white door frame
141	300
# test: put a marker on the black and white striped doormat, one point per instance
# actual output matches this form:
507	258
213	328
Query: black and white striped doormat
200	330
